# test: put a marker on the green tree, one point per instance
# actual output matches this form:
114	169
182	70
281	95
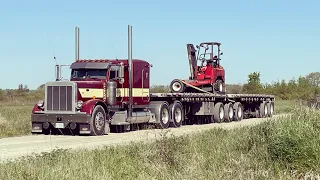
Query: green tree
314	79
253	86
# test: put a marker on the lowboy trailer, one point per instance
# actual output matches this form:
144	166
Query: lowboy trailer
115	92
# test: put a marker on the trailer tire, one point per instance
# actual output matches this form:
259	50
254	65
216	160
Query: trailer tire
218	112
263	110
164	116
176	86
238	111
177	114
98	121
228	112
270	109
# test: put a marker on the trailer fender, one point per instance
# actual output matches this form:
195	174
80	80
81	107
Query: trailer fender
89	105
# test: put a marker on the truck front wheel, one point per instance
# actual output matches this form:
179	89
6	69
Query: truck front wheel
98	121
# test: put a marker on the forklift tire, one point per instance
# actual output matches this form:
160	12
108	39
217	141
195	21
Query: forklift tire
176	86
218	85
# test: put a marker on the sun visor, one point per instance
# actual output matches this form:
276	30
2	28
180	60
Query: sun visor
89	65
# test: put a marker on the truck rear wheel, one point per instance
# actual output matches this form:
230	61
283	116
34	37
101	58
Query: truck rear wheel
98	121
238	111
218	112
177	114
164	116
228	112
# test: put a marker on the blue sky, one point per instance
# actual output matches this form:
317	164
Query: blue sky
278	38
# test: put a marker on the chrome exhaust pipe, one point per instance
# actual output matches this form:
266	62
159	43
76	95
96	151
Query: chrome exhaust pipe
130	69
77	47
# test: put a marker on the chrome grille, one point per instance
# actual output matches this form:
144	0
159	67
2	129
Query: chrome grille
60	96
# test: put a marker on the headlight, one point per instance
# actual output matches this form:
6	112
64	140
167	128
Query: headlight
40	103
79	104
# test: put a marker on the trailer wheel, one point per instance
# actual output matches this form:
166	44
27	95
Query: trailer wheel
98	121
177	114
228	112
218	112
270	109
238	111
263	109
176	86
164	115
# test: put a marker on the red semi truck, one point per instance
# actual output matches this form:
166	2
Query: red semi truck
115	93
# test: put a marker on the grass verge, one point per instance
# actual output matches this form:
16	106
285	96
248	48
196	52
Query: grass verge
282	149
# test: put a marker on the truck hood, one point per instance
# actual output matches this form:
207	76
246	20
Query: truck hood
89	90
90	84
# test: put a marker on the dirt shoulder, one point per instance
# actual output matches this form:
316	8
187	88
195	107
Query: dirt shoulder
15	147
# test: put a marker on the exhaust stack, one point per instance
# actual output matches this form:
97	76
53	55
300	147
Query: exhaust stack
130	69
77	47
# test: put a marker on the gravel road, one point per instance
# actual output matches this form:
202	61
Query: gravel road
14	147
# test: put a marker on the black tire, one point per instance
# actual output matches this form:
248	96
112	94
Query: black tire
98	121
176	86
218	112
46	131
270	109
228	112
263	109
164	116
177	114
238	111
218	86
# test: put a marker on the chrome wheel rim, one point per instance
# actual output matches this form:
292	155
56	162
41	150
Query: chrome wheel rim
99	120
165	116
178	115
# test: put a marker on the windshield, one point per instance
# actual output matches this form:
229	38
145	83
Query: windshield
88	73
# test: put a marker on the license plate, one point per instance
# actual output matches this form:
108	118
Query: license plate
59	125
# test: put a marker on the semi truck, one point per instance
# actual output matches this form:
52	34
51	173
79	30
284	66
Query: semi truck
106	93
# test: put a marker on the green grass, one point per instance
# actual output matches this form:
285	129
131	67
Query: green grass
281	149
15	117
15	120
285	106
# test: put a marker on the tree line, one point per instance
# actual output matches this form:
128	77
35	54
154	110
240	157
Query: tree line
302	88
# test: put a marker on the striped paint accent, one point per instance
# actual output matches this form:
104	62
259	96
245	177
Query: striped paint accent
136	92
121	92
91	92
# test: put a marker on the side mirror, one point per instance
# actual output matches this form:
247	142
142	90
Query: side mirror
58	73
